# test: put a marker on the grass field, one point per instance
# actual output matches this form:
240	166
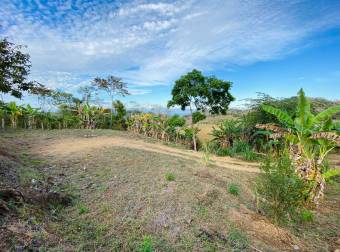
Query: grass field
134	194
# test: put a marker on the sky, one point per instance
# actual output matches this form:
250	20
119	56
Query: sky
274	46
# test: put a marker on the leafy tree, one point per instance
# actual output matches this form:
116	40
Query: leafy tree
310	138
14	69
201	93
113	86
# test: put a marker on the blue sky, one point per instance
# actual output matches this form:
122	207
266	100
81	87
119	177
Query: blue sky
274	47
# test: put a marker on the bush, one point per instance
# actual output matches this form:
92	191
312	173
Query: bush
234	189
281	192
176	121
169	176
197	116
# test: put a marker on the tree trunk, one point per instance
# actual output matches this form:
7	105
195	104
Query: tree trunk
193	132
309	170
3	123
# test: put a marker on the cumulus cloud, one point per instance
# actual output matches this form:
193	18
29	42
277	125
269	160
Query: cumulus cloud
152	43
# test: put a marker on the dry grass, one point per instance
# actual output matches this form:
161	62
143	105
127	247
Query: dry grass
122	196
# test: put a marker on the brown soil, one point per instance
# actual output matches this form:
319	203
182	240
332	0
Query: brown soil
62	147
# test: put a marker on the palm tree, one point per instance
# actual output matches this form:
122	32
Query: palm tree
310	138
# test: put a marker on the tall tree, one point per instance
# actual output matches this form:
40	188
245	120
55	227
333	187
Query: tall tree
14	69
113	86
201	93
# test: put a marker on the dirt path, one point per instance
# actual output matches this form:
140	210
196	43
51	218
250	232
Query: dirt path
62	147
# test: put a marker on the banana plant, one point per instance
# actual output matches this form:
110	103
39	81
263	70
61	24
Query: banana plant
31	114
310	138
14	112
2	116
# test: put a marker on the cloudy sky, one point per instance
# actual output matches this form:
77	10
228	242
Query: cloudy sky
270	46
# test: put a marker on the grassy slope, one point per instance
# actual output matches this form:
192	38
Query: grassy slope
124	202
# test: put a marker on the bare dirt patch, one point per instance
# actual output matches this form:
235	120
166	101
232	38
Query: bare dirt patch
73	146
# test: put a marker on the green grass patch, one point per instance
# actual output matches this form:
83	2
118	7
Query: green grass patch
234	189
146	245
169	176
82	209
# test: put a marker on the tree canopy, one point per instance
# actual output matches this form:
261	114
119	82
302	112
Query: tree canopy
14	69
202	93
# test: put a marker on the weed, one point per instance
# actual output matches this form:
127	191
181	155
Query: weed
206	154
11	204
281	191
306	216
146	245
169	176
82	209
234	189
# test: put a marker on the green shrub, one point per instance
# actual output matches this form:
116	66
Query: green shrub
146	245
176	121
306	216
234	189
83	209
281	192
169	176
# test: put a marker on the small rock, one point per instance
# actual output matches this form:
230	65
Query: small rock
296	247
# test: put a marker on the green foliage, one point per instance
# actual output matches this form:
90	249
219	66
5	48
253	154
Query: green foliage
306	216
176	121
328	113
146	245
311	140
331	173
227	132
169	176
281	193
279	114
205	93
234	189
14	69
197	116
82	209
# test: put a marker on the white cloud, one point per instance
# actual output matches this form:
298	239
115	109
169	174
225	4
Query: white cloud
72	41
